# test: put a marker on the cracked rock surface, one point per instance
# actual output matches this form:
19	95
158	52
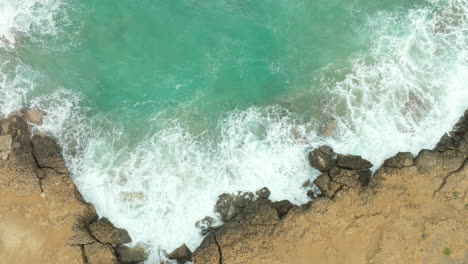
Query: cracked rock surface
412	210
43	217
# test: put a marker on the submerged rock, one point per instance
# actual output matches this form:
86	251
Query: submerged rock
226	207
352	162
132	254
104	231
330	128
182	254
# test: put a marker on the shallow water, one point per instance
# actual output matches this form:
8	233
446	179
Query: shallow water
162	105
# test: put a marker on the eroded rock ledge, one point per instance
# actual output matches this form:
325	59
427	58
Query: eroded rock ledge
412	210
43	217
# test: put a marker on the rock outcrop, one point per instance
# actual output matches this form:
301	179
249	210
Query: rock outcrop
43	217
412	210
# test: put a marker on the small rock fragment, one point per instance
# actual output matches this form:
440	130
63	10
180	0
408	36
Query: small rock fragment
206	225
322	158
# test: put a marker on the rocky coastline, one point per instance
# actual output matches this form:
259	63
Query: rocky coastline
411	210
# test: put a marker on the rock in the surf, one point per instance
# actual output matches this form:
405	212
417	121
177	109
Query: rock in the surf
104	231
182	254
322	158
352	162
132	254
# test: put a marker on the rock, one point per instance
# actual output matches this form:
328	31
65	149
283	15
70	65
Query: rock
243	198
104	231
33	116
330	128
182	254
365	177
132	254
322	158
258	217
226	207
47	154
206	225
5	146
311	194
306	183
263	193
97	253
326	186
400	160
352	162
283	207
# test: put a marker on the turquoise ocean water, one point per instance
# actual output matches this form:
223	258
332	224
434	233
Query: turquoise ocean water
162	105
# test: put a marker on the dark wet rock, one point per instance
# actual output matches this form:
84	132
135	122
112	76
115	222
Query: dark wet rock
306	183
352	162
322	158
206	225
263	193
400	160
132	254
326	186
97	253
182	254
47	154
365	177
311	194
283	207
243	198
104	231
226	207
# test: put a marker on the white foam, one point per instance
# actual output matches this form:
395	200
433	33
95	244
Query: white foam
27	16
401	96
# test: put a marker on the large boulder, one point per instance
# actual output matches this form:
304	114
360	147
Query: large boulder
400	160
104	231
283	207
352	162
322	158
132	254
97	253
230	205
182	254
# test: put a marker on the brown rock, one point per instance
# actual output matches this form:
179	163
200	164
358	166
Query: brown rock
283	207
47	154
104	231
400	160
33	116
182	254
132	254
97	253
352	162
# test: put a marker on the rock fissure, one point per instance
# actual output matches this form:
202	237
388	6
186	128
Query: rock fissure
444	181
83	255
220	252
